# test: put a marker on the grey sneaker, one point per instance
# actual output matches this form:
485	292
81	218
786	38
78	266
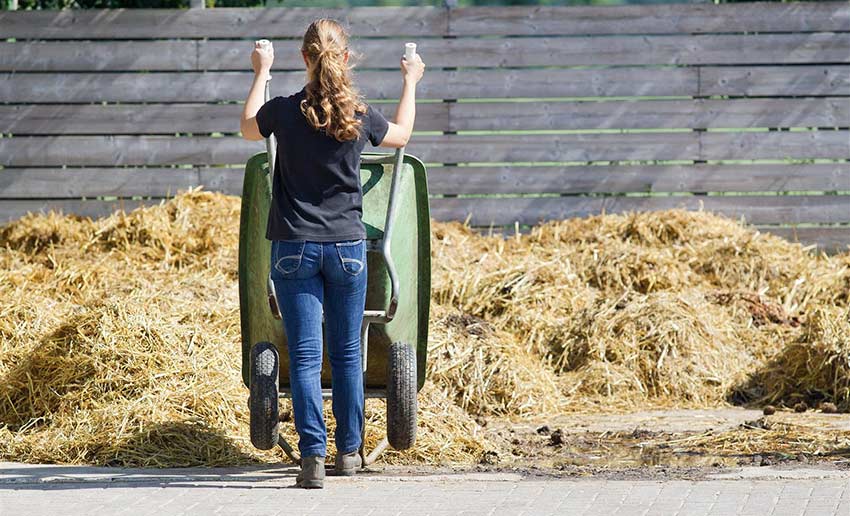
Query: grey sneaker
347	464
312	475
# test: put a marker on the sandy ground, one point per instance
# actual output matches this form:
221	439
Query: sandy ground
653	444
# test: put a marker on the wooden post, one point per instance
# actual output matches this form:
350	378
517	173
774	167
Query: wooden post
197	4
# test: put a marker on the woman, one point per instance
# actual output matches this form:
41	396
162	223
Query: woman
318	257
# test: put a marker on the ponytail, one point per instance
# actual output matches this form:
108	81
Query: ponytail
331	100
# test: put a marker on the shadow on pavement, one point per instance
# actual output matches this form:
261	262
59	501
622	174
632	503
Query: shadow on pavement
45	477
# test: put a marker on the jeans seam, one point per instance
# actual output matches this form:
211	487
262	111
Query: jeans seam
347	244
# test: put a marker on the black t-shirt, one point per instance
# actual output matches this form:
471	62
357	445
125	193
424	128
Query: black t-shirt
316	192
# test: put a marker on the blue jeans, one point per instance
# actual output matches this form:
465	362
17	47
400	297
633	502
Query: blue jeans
309	276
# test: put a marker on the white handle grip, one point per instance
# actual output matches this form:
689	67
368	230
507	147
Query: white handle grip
409	51
266	44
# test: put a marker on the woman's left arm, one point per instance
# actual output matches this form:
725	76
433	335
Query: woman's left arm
261	61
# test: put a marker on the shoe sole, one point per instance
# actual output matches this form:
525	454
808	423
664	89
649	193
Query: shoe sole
311	484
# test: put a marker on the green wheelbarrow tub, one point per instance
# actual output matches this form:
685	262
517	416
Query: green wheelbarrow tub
410	250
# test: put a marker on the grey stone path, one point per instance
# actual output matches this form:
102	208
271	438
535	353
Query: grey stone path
58	491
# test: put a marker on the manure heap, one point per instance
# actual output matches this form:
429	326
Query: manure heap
120	340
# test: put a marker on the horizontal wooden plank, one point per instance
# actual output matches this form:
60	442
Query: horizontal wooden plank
632	146
55	183
233	86
186	55
567	51
32	151
231	23
639	178
37	119
163	150
783	209
635	81
70	183
775	80
14	209
828	239
60	56
652	19
644	114
768	145
420	21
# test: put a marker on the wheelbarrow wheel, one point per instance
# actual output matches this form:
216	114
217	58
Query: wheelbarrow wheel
263	400
401	396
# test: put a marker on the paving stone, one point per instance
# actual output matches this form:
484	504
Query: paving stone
472	495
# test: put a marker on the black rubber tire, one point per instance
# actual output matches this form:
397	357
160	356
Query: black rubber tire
265	367
401	396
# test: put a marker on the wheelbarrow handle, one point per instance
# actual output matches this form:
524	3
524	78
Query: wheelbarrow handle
397	159
398	162
388	231
271	143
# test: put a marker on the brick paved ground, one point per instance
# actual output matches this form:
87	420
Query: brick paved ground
37	490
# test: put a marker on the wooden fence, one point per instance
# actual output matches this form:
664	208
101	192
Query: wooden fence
525	113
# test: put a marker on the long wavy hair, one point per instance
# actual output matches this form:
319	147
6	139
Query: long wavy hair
331	98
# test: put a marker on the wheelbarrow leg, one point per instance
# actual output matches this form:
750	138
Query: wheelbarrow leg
379	449
288	450
376	452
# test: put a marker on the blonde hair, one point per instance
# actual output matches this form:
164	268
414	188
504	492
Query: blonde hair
331	98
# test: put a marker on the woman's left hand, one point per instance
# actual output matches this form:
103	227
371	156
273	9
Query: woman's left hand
262	58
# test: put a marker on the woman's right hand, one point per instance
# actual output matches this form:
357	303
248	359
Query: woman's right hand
412	71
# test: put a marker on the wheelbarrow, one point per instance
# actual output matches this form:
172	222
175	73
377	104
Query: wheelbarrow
394	332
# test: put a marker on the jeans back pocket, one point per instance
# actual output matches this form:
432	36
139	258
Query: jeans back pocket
352	256
287	255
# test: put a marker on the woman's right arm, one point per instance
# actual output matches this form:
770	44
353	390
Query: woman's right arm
399	131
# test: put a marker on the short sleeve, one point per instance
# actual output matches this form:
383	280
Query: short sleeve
378	126
267	117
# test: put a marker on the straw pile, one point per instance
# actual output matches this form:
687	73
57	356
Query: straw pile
815	367
487	372
671	307
768	437
119	344
119	337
